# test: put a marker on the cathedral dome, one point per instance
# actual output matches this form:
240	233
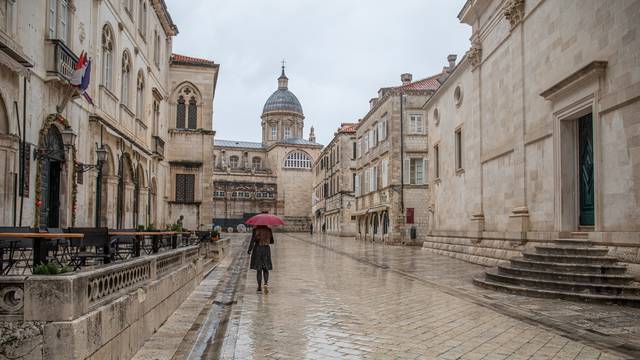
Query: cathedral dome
282	99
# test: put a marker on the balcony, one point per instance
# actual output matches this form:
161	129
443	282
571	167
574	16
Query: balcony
158	146
62	61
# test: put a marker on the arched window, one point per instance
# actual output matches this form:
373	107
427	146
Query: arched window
156	49
142	18
140	96
107	56
193	113
126	78
256	163
187	116
180	113
233	162
298	160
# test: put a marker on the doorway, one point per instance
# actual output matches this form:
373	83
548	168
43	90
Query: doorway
585	171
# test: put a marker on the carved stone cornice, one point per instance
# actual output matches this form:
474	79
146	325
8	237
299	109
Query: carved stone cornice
514	12
475	53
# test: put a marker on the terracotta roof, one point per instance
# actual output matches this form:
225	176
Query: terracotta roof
347	127
430	83
183	59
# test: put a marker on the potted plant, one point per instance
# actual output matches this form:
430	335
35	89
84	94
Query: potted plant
215	235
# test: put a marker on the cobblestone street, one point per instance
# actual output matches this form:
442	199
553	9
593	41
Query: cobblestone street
341	298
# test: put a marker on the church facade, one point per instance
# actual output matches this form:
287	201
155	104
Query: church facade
273	175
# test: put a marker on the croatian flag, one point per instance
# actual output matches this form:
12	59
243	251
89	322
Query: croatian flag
81	76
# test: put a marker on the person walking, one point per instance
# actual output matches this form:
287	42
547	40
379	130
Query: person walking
311	228
261	254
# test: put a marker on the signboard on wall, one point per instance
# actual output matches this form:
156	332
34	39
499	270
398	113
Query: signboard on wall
409	213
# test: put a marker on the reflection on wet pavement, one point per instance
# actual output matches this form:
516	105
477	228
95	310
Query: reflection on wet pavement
325	305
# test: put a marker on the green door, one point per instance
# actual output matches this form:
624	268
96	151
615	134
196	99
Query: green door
585	139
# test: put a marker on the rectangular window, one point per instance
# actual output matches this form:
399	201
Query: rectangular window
384	173
415	124
373	136
382	130
274	133
414	171
366	143
374	178
287	132
218	194
436	160
356	184
458	135
185	185
359	149
354	151
64	21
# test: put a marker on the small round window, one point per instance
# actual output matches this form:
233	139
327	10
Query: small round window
457	96
436	116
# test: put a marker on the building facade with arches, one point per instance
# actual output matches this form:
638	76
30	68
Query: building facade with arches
274	175
49	134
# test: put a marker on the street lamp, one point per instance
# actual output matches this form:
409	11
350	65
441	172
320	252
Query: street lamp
68	137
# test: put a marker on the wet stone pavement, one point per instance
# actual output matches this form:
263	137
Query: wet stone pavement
339	298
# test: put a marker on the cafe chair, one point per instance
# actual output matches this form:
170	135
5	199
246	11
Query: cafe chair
95	247
15	253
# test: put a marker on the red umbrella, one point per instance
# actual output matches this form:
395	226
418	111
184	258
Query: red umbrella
264	219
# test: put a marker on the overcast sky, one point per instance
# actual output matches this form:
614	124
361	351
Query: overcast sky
338	53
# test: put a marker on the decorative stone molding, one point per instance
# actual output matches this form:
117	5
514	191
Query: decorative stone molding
514	12
475	52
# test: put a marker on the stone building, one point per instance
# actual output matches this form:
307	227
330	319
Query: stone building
333	184
273	175
534	136
391	190
136	87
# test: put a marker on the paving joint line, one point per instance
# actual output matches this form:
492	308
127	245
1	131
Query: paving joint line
620	348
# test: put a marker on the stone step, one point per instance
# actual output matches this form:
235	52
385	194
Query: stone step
612	269
571	259
580	234
571	250
565	276
633	301
564	286
576	242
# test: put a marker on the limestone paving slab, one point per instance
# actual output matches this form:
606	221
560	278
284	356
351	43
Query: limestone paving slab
339	298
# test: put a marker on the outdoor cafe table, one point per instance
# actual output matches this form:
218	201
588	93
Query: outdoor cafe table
139	236
40	242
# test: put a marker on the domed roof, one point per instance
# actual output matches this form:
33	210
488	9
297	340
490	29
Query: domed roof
282	99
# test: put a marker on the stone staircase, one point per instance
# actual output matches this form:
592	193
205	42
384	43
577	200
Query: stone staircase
570	269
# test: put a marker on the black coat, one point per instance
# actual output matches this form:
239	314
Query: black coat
260	254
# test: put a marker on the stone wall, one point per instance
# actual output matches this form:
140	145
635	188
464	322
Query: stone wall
518	112
108	312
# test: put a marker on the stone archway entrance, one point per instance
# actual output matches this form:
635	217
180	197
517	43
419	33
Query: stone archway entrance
51	153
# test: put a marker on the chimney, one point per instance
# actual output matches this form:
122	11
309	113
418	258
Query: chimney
406	78
452	61
373	102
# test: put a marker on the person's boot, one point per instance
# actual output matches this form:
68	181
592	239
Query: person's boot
259	289
266	288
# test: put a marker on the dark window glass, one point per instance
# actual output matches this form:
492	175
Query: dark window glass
193	113
185	184
180	113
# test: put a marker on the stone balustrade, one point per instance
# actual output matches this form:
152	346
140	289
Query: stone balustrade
91	314
67	296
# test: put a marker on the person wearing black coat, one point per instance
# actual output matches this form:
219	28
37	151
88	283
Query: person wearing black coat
260	252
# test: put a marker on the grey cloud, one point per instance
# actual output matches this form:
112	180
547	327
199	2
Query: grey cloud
338	53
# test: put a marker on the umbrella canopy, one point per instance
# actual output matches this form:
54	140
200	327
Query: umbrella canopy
264	219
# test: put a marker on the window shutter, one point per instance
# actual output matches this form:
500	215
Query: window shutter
425	169
384	173
407	171
180	113
374	175
419	124
53	18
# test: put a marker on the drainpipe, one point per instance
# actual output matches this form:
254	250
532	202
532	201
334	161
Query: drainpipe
23	147
401	153
15	176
